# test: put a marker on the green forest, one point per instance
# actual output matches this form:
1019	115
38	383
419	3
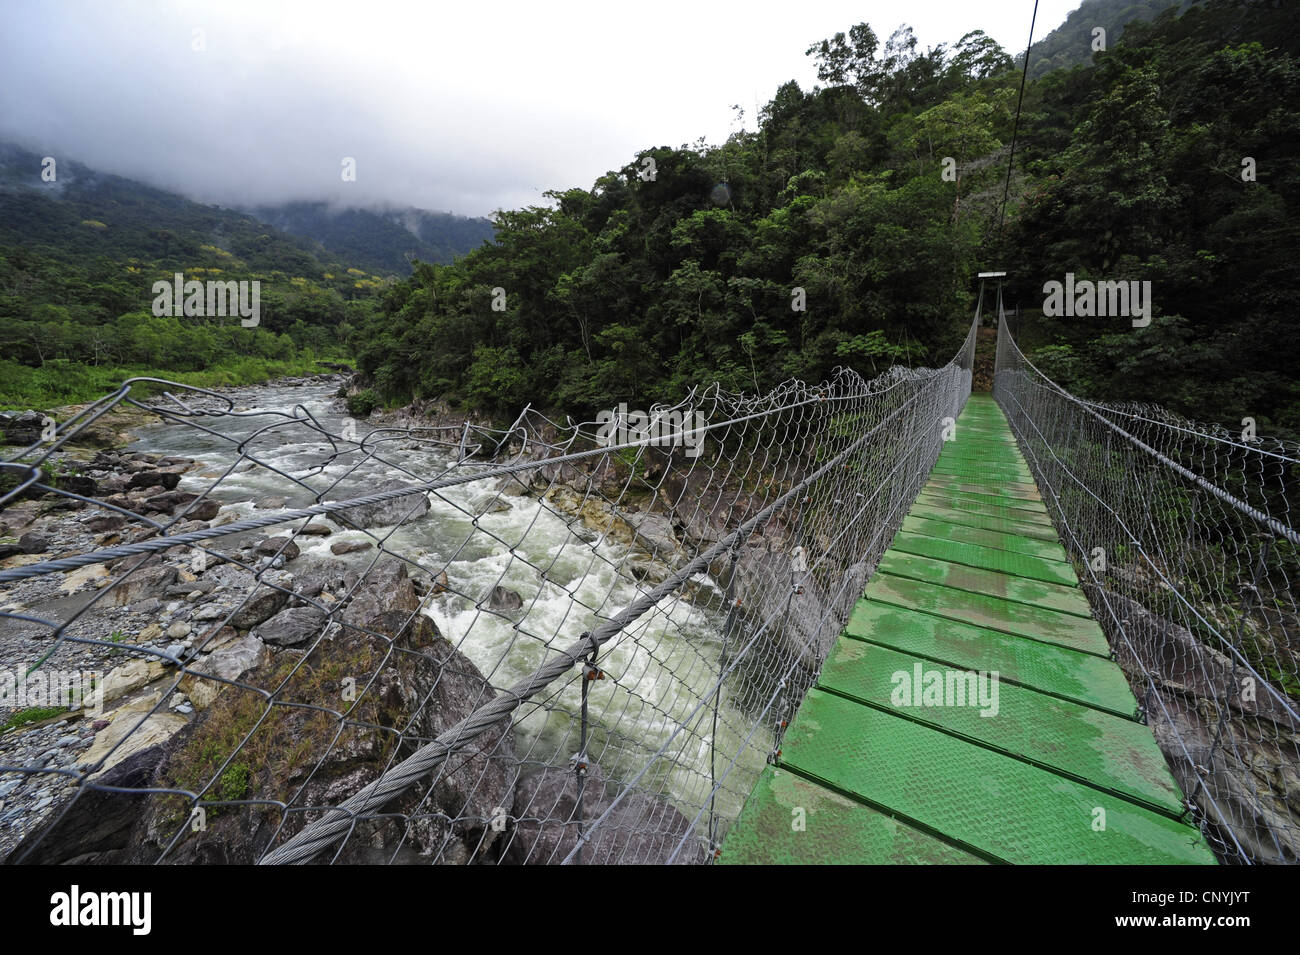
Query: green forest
77	264
1127	167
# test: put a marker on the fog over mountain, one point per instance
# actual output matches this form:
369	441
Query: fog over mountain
465	108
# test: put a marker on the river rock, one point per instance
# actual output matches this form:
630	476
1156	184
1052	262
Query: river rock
644	830
149	581
546	819
400	510
94	829
655	531
303	758
33	543
294	626
350	547
279	546
111	484
91	574
153	478
502	599
129	677
385	587
639	830
122	728
78	484
21	428
229	661
165	502
105	522
327	575
204	510
265	603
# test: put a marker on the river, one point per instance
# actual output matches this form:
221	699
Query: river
568	579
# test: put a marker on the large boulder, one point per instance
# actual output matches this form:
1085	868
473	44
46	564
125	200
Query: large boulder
148	581
265	602
364	705
546	814
639	830
655	532
21	428
130	676
384	587
503	599
292	627
229	661
399	510
167	480
132	727
96	826
280	546
644	830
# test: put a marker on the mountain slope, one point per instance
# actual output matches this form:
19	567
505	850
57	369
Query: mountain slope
1071	43
381	240
79	257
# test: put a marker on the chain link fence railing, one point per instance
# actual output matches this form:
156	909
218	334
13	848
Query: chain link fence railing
282	635
1183	538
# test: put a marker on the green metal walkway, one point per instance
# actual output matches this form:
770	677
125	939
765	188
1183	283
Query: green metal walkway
896	757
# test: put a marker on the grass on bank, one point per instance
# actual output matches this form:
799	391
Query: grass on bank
62	382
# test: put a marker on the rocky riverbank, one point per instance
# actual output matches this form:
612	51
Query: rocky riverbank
179	655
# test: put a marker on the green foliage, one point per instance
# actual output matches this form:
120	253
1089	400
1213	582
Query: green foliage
1071	44
234	782
76	302
362	403
32	714
55	384
1136	175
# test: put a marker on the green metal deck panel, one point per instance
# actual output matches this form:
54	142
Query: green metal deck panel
970	447
982	468
1048	550
953	482
983	462
991	483
1108	752
836	830
982	454
984	488
1019	620
966	439
987	583
973	439
974	419
1071	674
987	558
987	506
1018	510
999	806
1003	525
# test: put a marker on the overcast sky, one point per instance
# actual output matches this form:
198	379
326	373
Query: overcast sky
465	106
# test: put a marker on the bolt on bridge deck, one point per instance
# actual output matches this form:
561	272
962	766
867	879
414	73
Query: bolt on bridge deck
970	712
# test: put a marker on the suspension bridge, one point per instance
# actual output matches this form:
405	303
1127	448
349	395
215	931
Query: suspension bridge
860	621
1054	768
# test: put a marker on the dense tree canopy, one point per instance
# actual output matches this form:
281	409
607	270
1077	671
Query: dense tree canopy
878	195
